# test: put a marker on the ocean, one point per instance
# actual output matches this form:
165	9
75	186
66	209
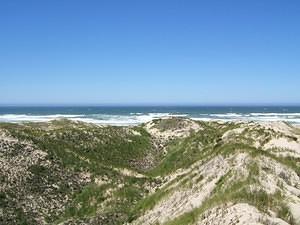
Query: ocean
132	115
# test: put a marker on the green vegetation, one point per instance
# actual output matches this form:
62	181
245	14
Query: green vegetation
86	148
3	201
169	124
102	152
80	146
238	192
150	201
184	152
87	201
115	201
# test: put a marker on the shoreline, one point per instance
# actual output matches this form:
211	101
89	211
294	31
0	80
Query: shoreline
132	124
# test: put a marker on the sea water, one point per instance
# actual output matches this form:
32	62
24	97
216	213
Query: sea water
132	115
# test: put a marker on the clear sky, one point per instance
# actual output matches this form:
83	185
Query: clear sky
150	52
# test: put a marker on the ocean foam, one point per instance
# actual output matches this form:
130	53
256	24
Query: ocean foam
33	118
138	118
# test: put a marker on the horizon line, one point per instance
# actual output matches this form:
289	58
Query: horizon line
152	105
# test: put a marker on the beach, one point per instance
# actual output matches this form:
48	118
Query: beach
124	116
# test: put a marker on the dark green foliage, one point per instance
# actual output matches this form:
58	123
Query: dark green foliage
80	146
21	217
86	202
3	200
184	152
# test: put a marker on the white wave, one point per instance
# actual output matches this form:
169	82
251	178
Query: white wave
202	118
271	117
33	118
227	115
275	114
125	119
138	118
136	113
106	122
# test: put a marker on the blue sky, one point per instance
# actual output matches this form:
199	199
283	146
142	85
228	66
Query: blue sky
150	52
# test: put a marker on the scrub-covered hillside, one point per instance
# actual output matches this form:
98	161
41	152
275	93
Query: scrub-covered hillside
167	171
